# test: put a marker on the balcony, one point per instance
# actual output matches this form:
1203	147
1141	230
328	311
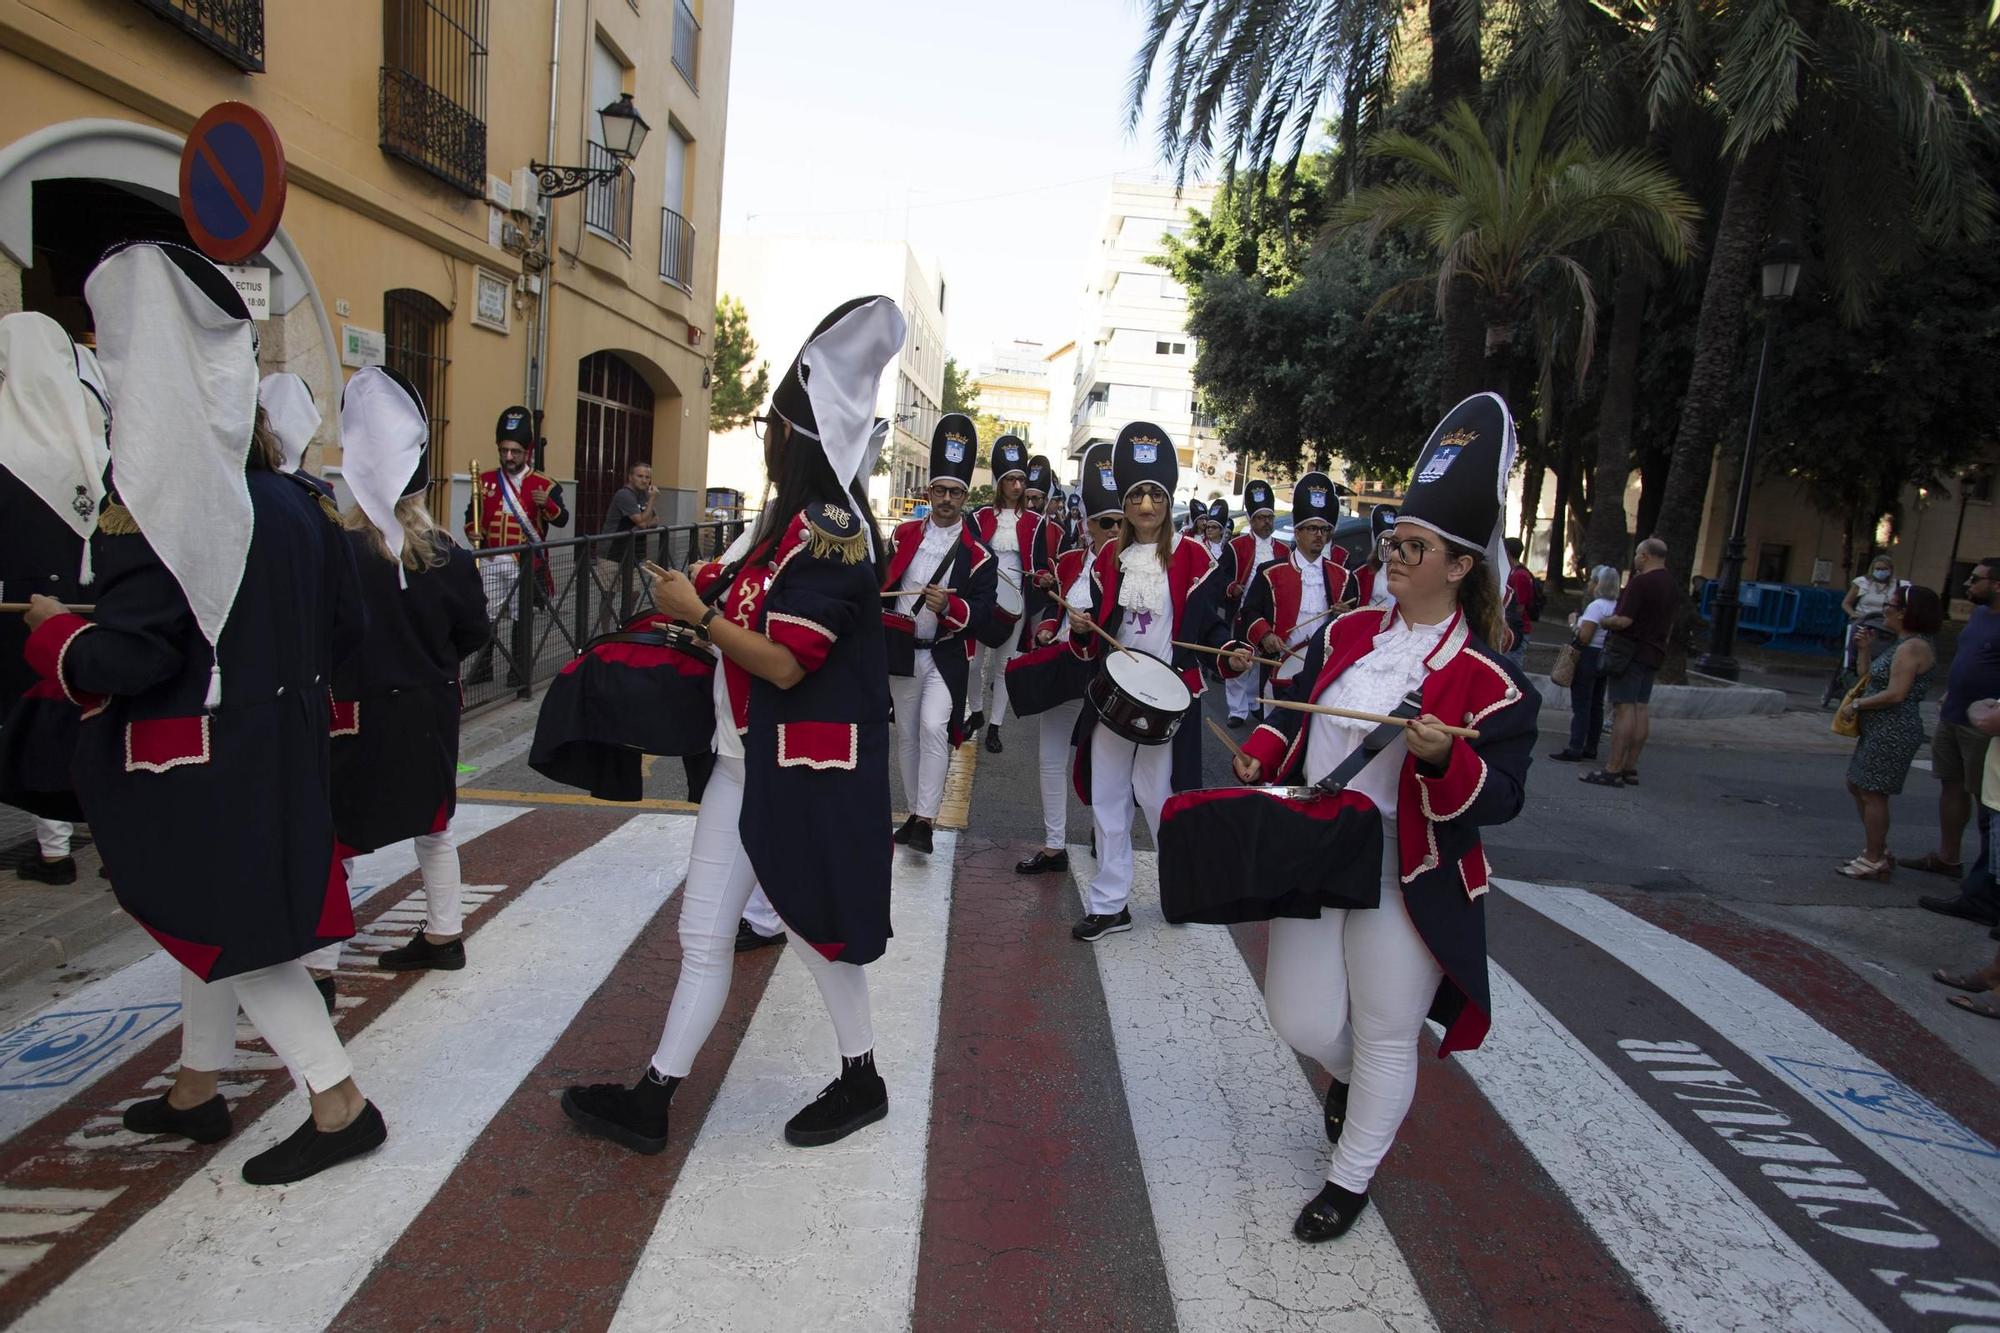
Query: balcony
233	29
687	43
677	250
429	130
607	204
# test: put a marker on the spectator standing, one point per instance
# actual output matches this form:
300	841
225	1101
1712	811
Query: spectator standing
1866	596
1959	756
1520	602
1587	686
1634	647
634	507
1984	984
1891	730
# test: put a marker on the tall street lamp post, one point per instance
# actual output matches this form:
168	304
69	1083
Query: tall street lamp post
1781	280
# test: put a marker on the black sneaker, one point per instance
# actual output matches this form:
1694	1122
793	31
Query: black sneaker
975	723
1237	723
48	872
420	953
616	1112
327	992
902	834
1043	862
207	1123
1336	1110
1568	756
311	1150
856	1099
920	837
993	745
1330	1214
1097	925
748	940
1962	907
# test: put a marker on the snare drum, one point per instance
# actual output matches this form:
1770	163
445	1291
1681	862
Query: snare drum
899	636
1231	854
1138	697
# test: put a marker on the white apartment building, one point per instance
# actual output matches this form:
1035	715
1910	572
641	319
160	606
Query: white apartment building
787	284
1135	358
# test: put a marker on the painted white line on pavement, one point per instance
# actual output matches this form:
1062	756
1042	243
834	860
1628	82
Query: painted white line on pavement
439	1063
759	1234
1231	1137
1703	1254
1894	1121
122	1012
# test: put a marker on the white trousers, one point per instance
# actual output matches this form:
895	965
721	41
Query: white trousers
499	575
720	879
989	677
1350	990
1122	773
54	836
923	733
444	894
287	1011
1056	727
1241	693
763	917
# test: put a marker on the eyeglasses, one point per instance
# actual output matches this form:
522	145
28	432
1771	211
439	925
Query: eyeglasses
1897	606
1408	551
944	492
1976	577
759	425
1152	494
1106	524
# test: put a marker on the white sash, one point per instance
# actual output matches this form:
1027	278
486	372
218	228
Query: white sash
510	498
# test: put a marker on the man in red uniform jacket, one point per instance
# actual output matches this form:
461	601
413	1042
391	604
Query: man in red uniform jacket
512	505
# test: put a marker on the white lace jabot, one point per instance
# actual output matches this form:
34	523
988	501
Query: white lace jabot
1142	580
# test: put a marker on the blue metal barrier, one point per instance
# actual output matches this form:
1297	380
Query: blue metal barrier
1792	617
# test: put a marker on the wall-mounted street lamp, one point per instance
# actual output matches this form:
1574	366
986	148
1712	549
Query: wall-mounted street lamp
623	131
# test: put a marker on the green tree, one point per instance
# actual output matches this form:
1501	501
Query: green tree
960	393
735	399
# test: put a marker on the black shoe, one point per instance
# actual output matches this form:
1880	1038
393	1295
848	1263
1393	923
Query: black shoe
634	1117
48	872
1330	1214
1962	907
1336	1110
993	745
856	1099
920	837
1237	723
1044	862
420	953
311	1150
902	834
482	669
207	1123
327	992
1568	756
1097	925
748	940
976	723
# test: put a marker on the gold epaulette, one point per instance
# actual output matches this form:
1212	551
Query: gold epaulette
117	521
329	508
832	533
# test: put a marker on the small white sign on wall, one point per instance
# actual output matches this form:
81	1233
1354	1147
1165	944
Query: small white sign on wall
489	305
253	284
362	347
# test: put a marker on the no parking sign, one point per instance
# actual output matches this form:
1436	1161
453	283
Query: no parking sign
232	182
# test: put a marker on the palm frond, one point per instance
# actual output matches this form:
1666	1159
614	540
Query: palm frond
1757	72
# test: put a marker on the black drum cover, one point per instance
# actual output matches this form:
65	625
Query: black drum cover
36	747
999	629
1231	854
899	635
1045	678
619	700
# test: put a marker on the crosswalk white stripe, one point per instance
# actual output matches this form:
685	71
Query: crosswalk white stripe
1231	1137
1703	1254
1772	1030
758	1234
156	978
439	1063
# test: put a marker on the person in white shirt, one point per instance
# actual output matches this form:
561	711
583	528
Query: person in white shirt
1242	556
1587	686
1022	541
1291	599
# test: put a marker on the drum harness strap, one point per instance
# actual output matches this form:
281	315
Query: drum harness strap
936	574
1371	745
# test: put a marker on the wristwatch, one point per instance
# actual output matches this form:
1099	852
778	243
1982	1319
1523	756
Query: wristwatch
701	626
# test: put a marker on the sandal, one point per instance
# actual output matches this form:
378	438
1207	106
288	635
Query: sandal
1937	865
1631	776
1966	981
1863	868
1986	1005
1603	777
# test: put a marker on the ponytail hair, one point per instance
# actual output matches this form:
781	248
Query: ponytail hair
803	477
1479	596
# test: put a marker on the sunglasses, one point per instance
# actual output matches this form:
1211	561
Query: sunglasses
1106	524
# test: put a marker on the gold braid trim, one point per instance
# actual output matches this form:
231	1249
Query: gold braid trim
117	521
329	508
824	545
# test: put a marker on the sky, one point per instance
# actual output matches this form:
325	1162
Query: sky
985	134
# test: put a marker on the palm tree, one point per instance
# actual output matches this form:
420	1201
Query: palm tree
1513	214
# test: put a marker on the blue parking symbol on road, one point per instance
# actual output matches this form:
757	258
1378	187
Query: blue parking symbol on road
1876	1103
54	1050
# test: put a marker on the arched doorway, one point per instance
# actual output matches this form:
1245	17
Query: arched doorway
614	430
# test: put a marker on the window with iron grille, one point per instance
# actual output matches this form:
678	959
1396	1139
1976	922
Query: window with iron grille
416	328
687	42
233	29
614	430
434	88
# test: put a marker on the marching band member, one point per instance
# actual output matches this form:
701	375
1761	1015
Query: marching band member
1057	723
1216	528
1370	588
948	576
224	595
512	505
1148	588
288	405
1242	556
396	701
1351	989
1025	547
1288	598
800	791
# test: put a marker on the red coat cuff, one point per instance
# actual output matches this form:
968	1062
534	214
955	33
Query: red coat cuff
47	649
807	640
957	615
1267	746
1222	667
1258	629
1451	795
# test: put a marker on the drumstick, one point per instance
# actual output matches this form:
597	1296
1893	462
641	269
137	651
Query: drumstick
1104	633
1223	736
1359	716
1223	652
915	592
19	608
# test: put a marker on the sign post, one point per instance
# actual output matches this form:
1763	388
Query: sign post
232	182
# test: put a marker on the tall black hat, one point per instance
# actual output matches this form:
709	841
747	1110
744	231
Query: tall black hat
1218	510
1010	456
1041	475
1380	520
1099	483
1459	487
517	425
954	449
1144	453
1313	497
1258	499
830	390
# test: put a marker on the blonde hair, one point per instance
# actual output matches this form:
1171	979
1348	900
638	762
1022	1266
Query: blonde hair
422	548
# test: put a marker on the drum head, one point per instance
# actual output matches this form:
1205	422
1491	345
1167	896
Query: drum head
1149	680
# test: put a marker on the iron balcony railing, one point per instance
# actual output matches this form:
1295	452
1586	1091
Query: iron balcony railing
677	250
427	129
434	88
687	43
607	204
233	29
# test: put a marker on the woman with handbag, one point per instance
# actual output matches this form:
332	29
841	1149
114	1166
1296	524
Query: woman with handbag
1885	710
1584	655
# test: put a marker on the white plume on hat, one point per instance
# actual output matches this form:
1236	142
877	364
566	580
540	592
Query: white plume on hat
383	432
293	416
52	422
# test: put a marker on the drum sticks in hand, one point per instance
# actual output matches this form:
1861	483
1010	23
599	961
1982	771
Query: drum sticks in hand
1378	718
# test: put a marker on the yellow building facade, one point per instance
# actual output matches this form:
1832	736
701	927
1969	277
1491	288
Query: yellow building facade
413	234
